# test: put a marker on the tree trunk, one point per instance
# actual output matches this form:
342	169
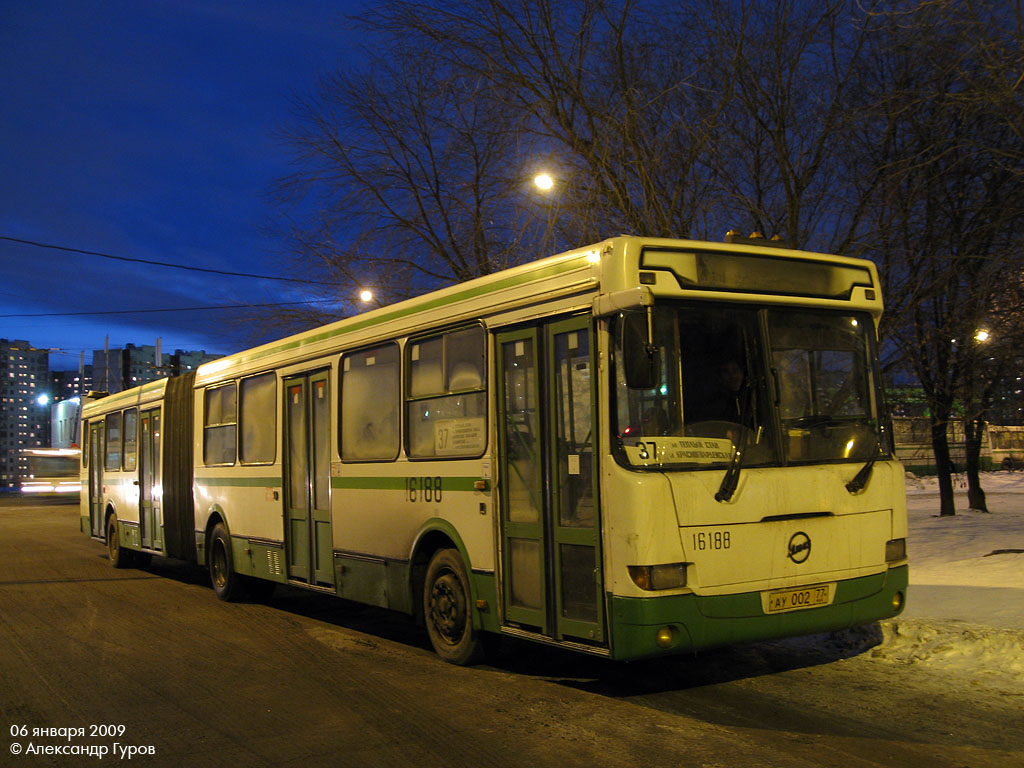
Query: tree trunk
944	467
974	429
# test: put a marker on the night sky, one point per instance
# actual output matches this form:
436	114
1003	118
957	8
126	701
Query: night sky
146	130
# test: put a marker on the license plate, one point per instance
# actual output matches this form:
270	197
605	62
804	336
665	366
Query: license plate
782	600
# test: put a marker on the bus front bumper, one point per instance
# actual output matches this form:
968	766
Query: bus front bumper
675	624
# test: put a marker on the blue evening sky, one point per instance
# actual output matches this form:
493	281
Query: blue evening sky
146	129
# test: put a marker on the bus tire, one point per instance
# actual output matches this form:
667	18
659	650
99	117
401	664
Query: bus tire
447	609
120	557
227	584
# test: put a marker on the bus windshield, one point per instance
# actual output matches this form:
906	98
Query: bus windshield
777	385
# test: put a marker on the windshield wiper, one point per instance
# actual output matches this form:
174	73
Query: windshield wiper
856	485
732	473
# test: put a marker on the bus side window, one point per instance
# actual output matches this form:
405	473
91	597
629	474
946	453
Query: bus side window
113	440
131	423
219	425
370	402
446	401
257	419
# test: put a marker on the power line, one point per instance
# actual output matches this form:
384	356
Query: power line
145	311
161	263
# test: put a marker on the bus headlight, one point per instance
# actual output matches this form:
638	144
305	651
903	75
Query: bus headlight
654	577
895	549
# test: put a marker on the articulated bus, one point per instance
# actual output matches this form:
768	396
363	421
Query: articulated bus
637	448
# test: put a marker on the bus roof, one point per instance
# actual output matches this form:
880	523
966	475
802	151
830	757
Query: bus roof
612	265
146	393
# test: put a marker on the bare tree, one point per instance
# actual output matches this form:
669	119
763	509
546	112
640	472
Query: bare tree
780	149
620	91
407	178
413	171
946	214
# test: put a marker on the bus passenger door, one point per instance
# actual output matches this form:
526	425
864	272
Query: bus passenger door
307	470
150	491
550	531
521	481
96	459
572	394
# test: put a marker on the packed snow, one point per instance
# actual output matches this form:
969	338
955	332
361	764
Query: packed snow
965	605
972	548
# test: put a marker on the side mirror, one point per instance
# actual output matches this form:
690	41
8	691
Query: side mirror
641	363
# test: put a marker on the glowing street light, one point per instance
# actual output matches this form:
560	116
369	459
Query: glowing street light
543	181
366	296
982	336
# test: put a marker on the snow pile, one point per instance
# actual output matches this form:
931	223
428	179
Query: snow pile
968	648
965	605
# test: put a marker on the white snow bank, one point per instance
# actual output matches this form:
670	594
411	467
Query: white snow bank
965	605
953	647
971	548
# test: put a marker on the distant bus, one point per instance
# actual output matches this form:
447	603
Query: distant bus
1002	447
638	448
1007	447
52	472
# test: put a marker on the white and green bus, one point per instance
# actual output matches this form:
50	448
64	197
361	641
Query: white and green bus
642	447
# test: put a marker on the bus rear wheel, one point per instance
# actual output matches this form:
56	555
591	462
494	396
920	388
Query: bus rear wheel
119	556
446	609
227	584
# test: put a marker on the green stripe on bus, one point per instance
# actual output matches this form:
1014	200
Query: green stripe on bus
343	483
240	482
369	483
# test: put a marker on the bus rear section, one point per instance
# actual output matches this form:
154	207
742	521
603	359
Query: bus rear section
136	471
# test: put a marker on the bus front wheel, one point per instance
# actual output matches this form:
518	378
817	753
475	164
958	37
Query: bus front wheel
226	583
446	609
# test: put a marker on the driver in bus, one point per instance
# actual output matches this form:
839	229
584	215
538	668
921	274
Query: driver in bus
728	401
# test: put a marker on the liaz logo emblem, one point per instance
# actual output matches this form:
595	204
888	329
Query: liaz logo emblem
799	547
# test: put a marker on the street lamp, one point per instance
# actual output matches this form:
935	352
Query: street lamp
544	182
366	296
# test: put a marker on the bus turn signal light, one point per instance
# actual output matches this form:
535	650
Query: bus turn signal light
895	549
655	577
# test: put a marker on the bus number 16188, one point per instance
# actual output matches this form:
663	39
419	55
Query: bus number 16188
426	489
712	540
